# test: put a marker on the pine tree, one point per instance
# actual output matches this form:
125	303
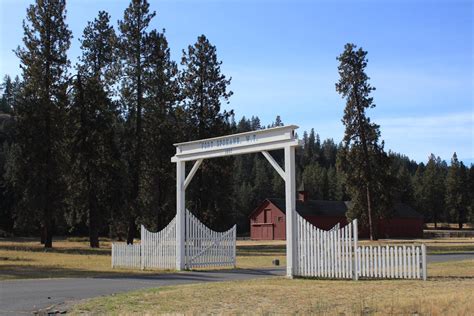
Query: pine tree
161	129
471	193
7	137
405	191
433	189
204	88
364	161
329	151
315	181
41	162
309	150
93	116
134	54
9	90
457	199
333	188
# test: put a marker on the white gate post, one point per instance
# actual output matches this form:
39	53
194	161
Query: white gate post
180	214
423	261
356	260
142	247
290	197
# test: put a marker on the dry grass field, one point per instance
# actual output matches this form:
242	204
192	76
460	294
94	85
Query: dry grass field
449	291
25	258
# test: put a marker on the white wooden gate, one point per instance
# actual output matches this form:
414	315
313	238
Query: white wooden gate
336	254
205	247
159	249
326	254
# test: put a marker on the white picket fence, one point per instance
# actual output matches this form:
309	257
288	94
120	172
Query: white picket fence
125	256
205	247
336	254
392	262
159	249
325	254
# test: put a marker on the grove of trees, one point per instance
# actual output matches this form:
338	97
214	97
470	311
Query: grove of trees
85	148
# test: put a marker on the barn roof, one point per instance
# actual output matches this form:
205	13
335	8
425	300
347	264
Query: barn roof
338	208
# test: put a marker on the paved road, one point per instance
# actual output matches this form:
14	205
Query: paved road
27	296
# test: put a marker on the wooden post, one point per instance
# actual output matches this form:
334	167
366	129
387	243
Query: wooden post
113	256
180	214
423	260
234	242
290	196
142	247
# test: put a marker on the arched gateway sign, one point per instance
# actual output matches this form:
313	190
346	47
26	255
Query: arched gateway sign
310	251
238	144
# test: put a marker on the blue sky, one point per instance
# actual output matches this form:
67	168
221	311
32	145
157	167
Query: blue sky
281	56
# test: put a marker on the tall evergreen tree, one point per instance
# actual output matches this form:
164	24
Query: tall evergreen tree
364	162
204	88
162	128
471	193
433	190
457	199
9	91
134	52
41	161
418	187
315	181
7	132
93	116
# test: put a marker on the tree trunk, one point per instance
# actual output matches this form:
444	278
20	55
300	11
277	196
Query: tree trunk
93	218
48	243
93	237
368	172
369	212
138	150
43	234
131	230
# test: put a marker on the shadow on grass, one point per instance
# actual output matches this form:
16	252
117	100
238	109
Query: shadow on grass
12	272
15	272
72	250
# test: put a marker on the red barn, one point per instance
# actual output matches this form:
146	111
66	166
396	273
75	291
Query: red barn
267	221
